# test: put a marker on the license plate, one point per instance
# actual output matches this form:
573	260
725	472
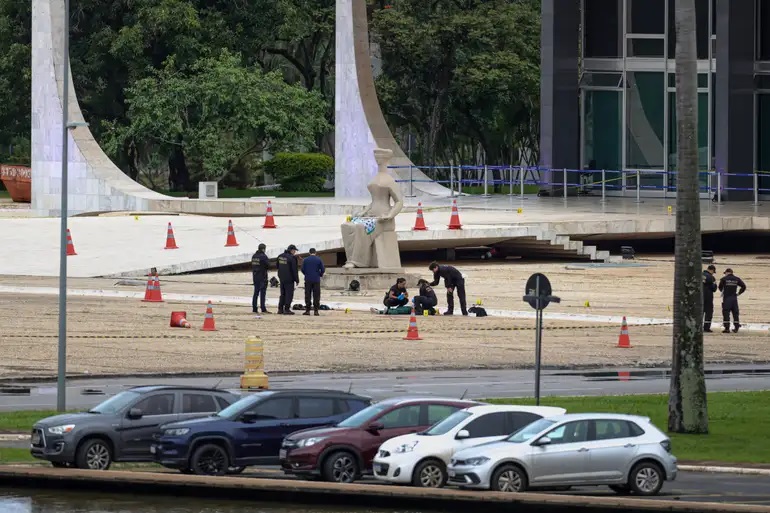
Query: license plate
152	449
377	468
451	473
35	438
282	454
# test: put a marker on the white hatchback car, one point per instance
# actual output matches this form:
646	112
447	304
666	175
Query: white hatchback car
625	452
421	459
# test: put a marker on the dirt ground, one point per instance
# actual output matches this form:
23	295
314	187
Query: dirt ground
128	336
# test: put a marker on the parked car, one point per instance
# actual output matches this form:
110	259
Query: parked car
122	427
625	452
421	459
249	432
343	453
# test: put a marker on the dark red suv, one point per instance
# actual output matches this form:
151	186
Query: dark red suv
344	452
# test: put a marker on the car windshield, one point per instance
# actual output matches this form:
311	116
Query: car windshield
364	416
446	425
530	430
242	405
116	403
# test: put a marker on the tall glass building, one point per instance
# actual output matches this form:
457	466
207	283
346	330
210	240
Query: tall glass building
608	91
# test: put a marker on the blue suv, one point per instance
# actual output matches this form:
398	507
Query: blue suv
250	431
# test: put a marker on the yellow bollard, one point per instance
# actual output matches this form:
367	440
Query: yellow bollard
254	365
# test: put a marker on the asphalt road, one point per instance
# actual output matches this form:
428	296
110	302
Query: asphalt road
85	393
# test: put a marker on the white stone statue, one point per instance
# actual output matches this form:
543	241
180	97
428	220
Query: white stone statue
370	237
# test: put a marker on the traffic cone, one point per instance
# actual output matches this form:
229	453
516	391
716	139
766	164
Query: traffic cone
208	321
411	332
624	376
269	221
170	240
152	292
231	242
624	340
70	245
454	221
179	320
419	223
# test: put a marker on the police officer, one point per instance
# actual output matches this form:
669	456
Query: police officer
313	269
397	295
426	299
731	287
288	276
259	266
709	287
453	279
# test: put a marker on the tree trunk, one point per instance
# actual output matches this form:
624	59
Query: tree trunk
687	408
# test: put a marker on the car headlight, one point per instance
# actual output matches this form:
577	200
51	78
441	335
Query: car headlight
307	442
405	448
61	430
176	431
475	462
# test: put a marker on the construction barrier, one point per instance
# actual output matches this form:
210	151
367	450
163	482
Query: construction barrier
254	365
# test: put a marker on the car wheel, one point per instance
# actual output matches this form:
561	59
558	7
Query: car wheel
210	460
94	454
341	467
429	474
509	478
646	479
235	470
620	489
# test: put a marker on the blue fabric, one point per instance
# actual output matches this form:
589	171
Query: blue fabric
313	268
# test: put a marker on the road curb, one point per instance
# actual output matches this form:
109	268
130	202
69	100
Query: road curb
748	471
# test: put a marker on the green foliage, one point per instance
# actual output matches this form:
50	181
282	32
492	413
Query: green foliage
300	172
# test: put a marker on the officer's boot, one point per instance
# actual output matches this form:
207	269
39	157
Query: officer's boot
736	328
727	328
307	311
707	327
315	312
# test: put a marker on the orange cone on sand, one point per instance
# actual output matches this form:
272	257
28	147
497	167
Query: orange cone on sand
70	245
411	332
231	241
269	221
208	320
624	340
179	320
419	223
152	292
170	240
454	221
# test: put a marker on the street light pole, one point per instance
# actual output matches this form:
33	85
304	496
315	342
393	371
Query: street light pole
61	389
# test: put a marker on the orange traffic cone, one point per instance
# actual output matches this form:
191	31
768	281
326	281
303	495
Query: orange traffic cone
419	223
170	240
269	221
454	221
411	332
208	321
624	376
179	320
152	292
231	242
70	245
624	340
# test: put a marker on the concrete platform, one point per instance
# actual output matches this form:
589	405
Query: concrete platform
364	495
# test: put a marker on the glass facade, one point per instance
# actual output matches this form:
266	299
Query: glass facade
762	96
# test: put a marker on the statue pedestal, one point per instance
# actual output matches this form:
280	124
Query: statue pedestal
378	279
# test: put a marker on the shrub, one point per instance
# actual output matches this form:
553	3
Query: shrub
300	172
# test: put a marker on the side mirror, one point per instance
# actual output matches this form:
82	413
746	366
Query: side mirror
135	413
375	427
542	442
249	417
462	434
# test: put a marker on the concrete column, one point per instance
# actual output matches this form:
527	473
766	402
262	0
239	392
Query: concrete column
734	134
559	105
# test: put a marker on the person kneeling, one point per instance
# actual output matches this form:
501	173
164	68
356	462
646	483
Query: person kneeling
396	299
426	300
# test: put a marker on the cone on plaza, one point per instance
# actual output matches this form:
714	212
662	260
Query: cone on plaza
179	320
454	221
624	340
411	332
269	220
419	223
170	240
152	293
208	320
70	245
231	241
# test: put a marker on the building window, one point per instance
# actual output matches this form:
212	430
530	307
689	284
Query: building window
602	129
763	30
646	17
763	141
704	160
645	104
602	29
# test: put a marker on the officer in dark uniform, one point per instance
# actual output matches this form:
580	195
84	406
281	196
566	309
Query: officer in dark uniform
313	269
397	295
709	287
453	279
259	266
731	287
426	299
289	277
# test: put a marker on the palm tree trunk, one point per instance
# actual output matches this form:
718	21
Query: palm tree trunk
687	408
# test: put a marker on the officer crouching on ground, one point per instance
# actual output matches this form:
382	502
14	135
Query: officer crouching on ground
288	276
397	295
731	287
259	266
313	269
709	287
426	300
